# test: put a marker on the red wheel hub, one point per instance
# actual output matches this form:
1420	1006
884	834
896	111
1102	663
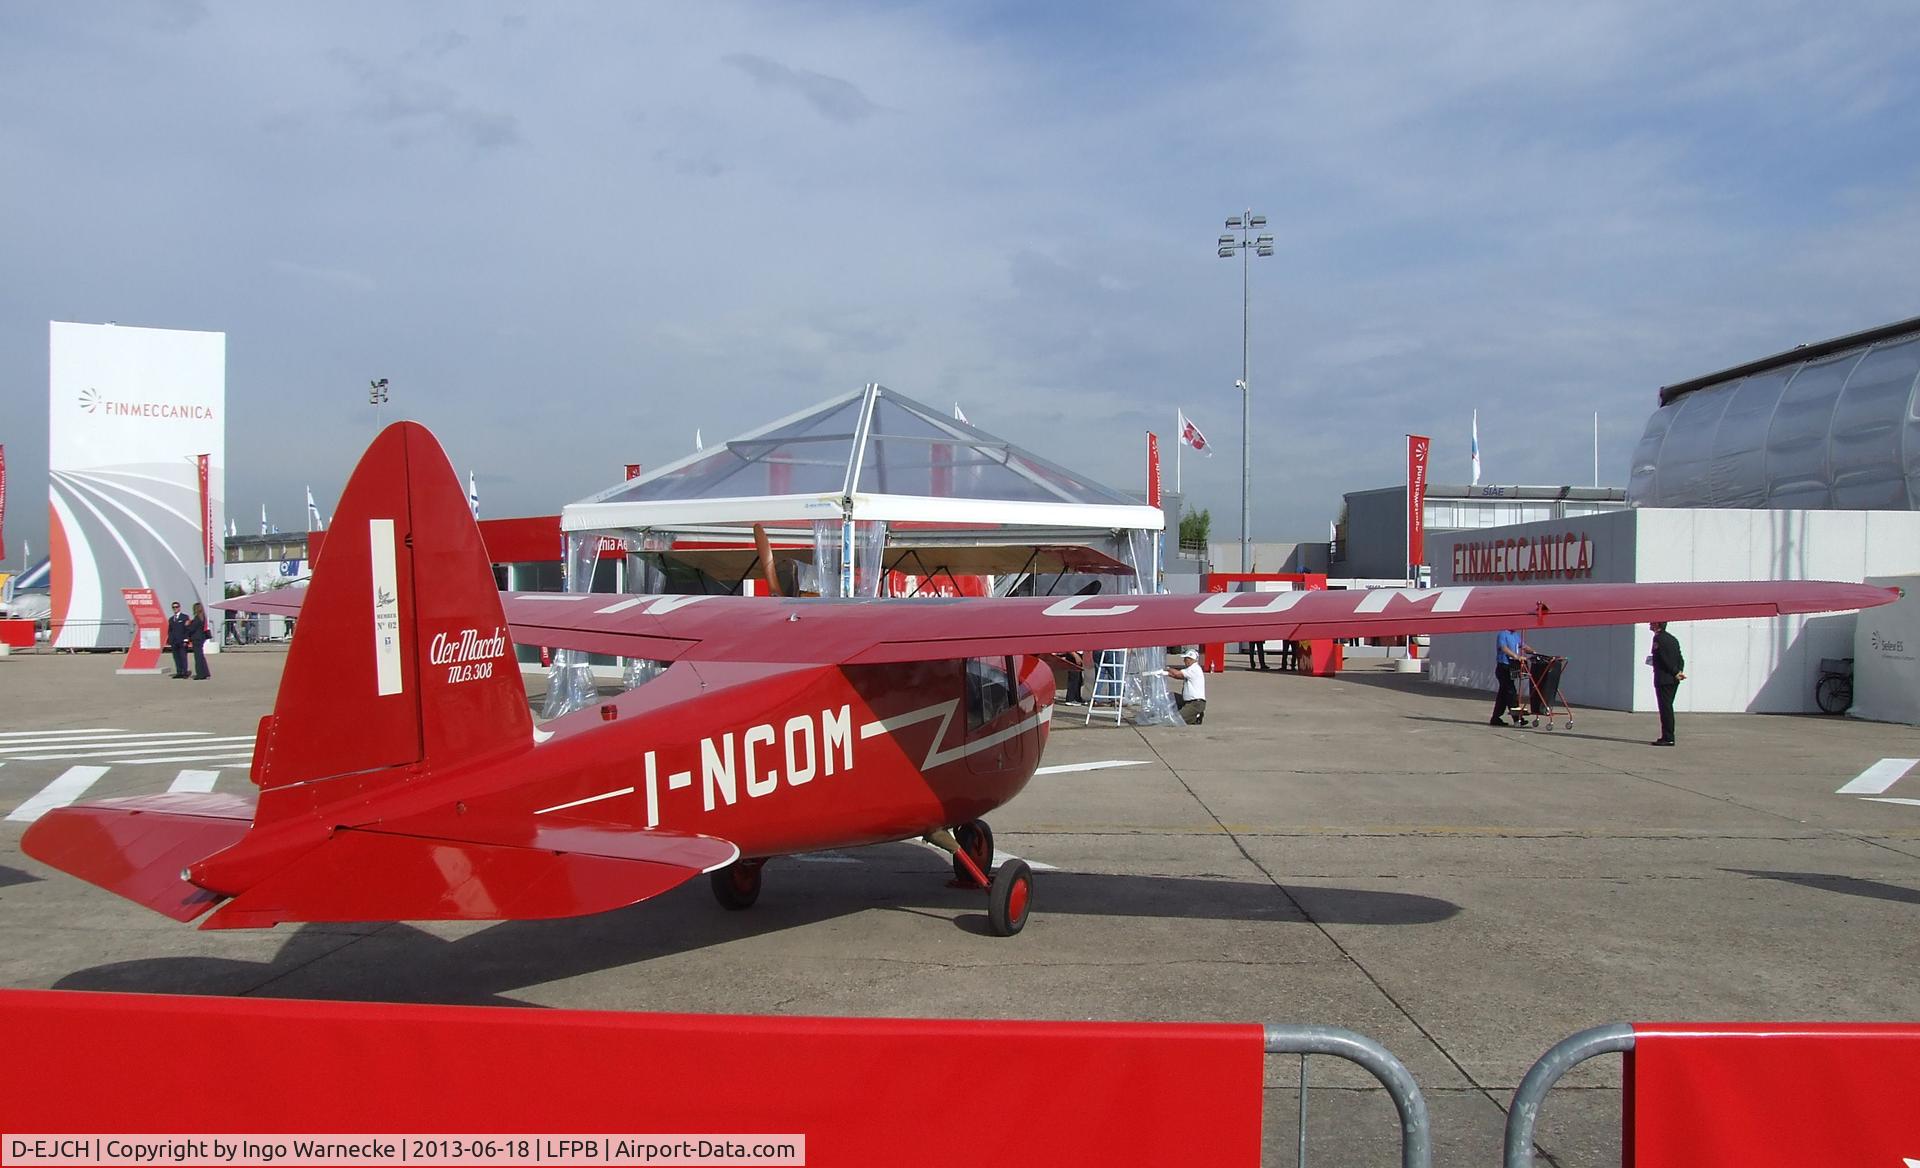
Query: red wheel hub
1017	901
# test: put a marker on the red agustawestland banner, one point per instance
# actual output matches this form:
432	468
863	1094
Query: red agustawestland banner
1416	499
858	1090
149	623
1153	469
1773	1096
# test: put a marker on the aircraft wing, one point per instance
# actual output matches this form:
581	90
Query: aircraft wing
858	632
278	601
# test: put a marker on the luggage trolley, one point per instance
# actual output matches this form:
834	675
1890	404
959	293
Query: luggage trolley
1538	691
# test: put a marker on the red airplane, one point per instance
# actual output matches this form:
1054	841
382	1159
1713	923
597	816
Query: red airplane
402	778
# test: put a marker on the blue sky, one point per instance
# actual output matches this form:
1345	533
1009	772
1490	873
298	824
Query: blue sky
570	234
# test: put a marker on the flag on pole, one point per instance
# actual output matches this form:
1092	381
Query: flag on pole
1476	448
957	415
697	443
203	469
313	513
1191	435
233	528
473	495
3	502
263	519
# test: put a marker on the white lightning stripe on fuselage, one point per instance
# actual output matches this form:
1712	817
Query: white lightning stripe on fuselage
945	711
588	799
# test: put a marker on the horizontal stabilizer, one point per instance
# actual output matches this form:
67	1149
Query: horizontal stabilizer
138	847
377	875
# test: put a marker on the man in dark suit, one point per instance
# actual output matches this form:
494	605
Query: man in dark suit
177	640
1669	670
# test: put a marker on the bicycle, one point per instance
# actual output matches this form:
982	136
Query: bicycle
1833	693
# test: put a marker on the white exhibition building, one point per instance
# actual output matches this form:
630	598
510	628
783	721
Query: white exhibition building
1805	465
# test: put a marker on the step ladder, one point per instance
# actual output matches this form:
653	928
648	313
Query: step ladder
1109	683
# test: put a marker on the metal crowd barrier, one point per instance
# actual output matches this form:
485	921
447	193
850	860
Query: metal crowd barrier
1541	1077
1416	1133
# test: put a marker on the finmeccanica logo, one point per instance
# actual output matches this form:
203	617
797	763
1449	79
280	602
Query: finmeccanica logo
93	402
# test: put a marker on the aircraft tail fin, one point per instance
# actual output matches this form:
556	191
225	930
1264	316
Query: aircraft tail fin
401	656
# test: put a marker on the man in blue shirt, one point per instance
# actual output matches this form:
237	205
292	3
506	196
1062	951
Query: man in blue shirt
1509	653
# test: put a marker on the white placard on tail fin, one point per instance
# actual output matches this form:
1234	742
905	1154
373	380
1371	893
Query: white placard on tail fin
386	608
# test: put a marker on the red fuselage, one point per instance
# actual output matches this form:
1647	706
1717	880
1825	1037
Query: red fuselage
776	760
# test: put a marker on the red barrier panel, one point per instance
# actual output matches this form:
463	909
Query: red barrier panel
862	1091
1770	1096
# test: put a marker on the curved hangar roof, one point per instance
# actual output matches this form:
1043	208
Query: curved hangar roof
885	455
1829	426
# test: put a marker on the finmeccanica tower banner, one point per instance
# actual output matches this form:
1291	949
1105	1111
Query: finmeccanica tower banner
131	410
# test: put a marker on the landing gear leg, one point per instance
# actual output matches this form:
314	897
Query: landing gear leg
737	885
976	840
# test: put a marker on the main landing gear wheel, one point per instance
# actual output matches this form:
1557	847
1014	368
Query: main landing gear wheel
1010	898
976	839
737	885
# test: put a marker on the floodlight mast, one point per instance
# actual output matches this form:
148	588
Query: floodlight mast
1246	225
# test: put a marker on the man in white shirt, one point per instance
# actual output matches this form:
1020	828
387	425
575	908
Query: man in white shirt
1192	700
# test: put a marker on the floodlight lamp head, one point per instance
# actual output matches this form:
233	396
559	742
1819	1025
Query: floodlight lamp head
1226	239
1240	383
1264	239
1264	249
1234	221
1226	253
1257	221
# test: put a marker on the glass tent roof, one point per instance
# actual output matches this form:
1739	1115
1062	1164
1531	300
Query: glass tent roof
902	460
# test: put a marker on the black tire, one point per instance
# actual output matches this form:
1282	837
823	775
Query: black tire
976	839
1834	694
1010	899
737	885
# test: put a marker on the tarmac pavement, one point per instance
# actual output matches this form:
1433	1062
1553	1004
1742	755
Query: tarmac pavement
1363	852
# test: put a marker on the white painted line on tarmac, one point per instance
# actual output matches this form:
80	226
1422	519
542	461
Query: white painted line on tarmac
999	857
222	757
1064	767
1891	799
196	781
223	745
62	791
37	733
1002	857
1879	776
21	746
